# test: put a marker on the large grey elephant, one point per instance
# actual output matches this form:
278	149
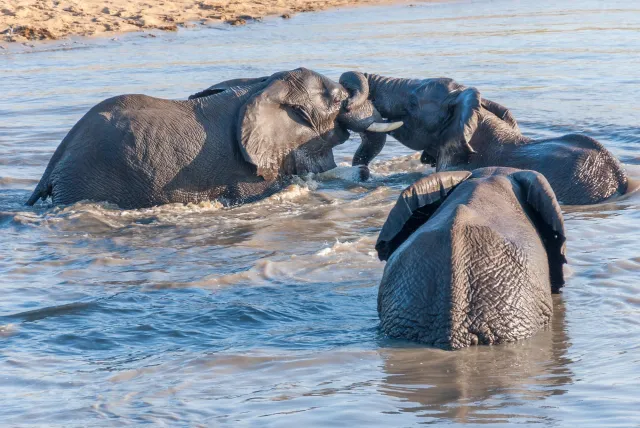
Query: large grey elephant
455	128
235	145
472	258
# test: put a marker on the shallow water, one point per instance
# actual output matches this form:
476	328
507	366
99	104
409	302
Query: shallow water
265	314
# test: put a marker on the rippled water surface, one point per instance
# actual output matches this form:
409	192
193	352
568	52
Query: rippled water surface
265	314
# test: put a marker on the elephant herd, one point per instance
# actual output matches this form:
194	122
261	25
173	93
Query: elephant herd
474	250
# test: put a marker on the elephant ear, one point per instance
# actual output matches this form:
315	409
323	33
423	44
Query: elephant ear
262	120
547	217
414	207
501	112
270	133
463	122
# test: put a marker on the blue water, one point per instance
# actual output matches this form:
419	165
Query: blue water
265	314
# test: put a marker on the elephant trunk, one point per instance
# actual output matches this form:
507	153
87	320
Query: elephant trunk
359	114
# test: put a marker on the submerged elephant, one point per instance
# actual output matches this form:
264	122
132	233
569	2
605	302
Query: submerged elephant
455	128
236	145
472	258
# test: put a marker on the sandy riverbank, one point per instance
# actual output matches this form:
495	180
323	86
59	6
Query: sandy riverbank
28	20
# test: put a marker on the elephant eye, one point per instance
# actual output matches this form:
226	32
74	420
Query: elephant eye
450	112
302	114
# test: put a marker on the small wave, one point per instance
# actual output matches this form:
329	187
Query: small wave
16	183
51	311
407	163
343	171
291	192
264	272
8	330
362	246
96	216
316	267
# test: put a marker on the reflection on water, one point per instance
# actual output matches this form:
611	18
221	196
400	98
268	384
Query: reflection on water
265	314
461	386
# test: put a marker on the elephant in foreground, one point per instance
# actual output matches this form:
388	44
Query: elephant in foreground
235	145
472	258
455	128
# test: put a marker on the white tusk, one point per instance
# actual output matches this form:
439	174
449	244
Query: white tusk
470	149
384	127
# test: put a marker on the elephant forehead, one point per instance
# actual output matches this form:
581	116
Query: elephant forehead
307	81
495	185
438	87
494	188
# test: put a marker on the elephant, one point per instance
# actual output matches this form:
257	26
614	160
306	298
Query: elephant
472	258
235	145
455	128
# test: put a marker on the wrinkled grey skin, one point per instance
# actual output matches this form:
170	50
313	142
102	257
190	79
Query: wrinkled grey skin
235	145
472	258
455	128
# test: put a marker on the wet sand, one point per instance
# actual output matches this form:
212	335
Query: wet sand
29	20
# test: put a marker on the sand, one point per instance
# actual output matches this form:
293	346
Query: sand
29	20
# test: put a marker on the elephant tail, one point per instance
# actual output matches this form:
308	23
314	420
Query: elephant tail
42	190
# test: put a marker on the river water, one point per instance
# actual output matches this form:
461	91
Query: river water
265	314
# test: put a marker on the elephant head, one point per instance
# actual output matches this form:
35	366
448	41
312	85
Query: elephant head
471	258
444	116
307	106
440	117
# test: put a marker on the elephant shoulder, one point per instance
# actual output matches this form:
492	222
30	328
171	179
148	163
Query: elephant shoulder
129	102
147	133
571	142
583	142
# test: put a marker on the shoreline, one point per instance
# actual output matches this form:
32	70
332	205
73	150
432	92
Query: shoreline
28	21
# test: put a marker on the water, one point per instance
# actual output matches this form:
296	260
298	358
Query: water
265	314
